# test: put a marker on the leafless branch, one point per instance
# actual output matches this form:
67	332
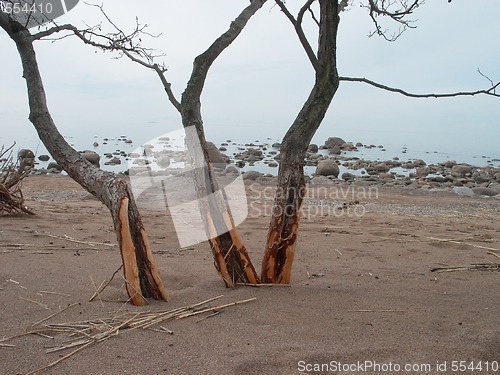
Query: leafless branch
126	44
491	91
485	76
396	10
297	24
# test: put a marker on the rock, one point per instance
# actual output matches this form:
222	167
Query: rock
334	141
485	191
134	155
273	164
216	157
346	176
163	161
313	148
461	170
25	153
387	176
327	167
359	144
113	161
232	169
44	158
482	178
321	180
92	157
335	150
222	149
463	191
421	172
95	144
128	141
252	175
419	163
381	167
54	167
277	145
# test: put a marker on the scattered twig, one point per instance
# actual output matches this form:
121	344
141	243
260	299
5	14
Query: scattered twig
71	239
97	293
85	333
35	302
60	359
54	314
102	287
492	253
215	313
376	311
56	293
263	285
472	267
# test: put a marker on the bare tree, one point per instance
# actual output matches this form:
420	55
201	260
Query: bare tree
283	229
141	273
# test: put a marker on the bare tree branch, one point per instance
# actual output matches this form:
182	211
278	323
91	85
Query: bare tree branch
396	10
297	24
491	91
127	44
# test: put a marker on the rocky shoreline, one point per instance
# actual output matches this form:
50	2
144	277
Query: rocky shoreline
333	162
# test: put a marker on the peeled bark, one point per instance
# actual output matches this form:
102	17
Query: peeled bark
283	229
141	274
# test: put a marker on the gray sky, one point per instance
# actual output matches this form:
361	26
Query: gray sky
259	84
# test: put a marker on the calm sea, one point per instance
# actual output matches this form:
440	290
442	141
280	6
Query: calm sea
433	146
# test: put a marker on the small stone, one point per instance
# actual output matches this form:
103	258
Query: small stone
44	158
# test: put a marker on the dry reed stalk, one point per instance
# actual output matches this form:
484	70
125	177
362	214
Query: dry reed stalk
85	333
54	314
35	302
472	267
102	287
263	285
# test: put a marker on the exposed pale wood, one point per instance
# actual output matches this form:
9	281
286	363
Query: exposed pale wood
129	260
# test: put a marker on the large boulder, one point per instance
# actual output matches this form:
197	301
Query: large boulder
91	156
26	159
461	170
25	153
327	167
313	148
334	141
252	175
216	157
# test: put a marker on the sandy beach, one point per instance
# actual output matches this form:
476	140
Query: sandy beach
363	292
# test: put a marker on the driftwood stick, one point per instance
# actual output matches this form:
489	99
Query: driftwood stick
263	285
54	314
60	359
35	302
492	253
97	293
102	287
187	315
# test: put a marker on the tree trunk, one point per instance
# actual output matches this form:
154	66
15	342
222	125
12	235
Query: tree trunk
283	229
141	274
230	255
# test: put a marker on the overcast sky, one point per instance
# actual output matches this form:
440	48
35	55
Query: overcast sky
258	84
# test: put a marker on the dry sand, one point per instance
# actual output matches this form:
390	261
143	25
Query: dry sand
362	289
